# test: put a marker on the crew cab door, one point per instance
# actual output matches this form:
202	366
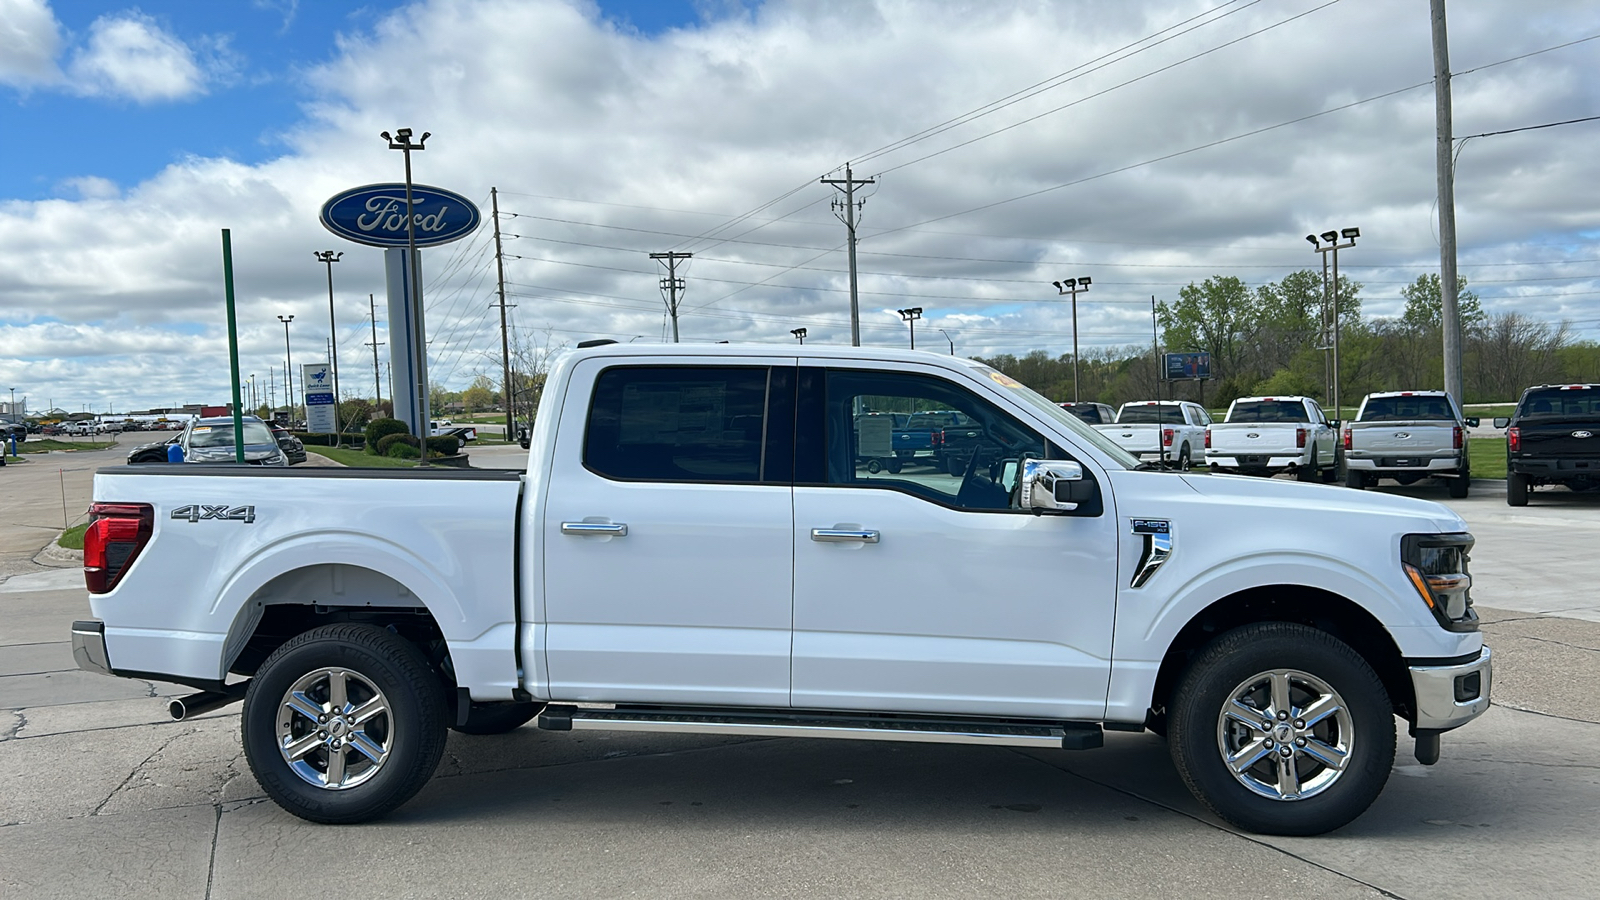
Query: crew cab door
922	591
667	533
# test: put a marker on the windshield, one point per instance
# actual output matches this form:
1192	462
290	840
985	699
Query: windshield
221	435
1268	411
1070	423
1396	409
1150	414
1564	403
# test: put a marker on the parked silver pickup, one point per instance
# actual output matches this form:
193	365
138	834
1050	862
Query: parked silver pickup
1408	436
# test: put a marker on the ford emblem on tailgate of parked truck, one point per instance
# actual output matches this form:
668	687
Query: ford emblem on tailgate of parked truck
375	214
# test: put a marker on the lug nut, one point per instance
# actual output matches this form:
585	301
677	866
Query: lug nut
1285	752
322	719
336	746
1282	716
1266	726
323	735
1299	723
1299	742
1269	743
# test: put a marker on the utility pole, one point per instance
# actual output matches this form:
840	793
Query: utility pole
505	343
1450	313
377	392
846	213
672	284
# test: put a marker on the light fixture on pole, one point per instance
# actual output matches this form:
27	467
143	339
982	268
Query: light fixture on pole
418	348
1073	286
1327	242
329	257
799	333
950	339
288	367
911	315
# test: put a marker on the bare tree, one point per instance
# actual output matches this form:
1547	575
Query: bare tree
1513	351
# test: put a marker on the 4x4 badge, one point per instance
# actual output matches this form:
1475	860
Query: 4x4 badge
226	513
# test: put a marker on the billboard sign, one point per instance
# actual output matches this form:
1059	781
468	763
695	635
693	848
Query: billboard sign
321	409
1188	366
375	214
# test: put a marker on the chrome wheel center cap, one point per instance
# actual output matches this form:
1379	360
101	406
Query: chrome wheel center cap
1284	733
336	728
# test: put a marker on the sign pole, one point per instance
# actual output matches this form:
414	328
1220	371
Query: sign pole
233	345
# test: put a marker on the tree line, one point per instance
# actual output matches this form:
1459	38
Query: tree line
1277	339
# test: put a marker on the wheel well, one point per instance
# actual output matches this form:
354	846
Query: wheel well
1305	605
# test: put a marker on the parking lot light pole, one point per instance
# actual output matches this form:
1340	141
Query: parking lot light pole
911	315
1073	286
329	257
950	339
799	333
1328	242
288	368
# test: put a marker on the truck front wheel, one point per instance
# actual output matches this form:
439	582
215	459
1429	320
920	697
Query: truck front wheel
344	723
1281	728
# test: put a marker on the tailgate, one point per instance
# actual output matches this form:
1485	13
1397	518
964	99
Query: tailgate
1136	438
1561	441
1403	438
1254	438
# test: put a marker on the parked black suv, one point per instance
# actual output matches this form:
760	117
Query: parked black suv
1553	438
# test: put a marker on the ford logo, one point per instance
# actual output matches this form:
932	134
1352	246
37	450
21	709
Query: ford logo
1252	435
1582	434
1402	435
375	214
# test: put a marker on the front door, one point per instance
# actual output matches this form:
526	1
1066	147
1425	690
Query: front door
667	534
919	590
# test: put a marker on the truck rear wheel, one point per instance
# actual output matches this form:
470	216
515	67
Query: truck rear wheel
1184	462
1355	478
344	723
1460	485
1308	472
1516	489
1280	728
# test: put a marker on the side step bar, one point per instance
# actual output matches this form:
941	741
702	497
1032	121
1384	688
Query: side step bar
848	726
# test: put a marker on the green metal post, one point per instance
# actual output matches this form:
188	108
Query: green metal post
233	347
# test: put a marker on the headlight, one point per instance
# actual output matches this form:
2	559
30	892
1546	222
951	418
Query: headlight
1436	564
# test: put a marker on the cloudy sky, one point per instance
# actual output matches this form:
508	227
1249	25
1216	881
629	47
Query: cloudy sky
1143	144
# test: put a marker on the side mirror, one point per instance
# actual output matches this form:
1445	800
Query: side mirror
1501	421
1472	421
1057	486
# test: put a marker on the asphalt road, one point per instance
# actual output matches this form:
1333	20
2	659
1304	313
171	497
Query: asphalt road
102	796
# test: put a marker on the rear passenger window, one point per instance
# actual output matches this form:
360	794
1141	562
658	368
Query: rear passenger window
678	423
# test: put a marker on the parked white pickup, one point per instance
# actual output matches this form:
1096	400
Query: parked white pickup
1168	432
1268	435
697	546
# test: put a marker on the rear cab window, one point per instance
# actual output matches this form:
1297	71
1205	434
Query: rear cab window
1269	411
1397	409
1579	402
1148	414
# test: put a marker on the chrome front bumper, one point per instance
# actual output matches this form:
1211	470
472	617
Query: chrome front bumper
89	647
1451	696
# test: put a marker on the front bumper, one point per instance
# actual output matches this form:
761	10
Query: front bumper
89	647
1450	696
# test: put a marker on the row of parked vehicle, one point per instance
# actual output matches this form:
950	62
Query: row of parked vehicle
1553	437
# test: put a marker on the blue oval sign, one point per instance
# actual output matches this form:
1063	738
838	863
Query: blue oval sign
375	214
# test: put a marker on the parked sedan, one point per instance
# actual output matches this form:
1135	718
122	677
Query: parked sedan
289	444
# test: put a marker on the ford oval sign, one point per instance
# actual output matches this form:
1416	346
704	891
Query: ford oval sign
376	215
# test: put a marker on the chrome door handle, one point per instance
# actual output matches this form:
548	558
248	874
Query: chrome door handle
839	535
584	528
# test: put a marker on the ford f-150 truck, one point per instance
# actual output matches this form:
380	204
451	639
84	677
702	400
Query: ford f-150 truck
1169	432
1408	436
694	547
1553	437
1268	435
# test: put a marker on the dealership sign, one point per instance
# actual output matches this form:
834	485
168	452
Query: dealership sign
375	214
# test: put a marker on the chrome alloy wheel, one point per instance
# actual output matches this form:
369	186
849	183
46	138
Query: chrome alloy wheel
334	728
1285	734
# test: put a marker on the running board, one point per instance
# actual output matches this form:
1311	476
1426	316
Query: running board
847	726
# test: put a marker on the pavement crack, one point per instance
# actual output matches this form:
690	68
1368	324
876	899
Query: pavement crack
1529	637
211	864
1536	712
137	769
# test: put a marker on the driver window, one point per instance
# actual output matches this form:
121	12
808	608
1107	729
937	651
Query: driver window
925	436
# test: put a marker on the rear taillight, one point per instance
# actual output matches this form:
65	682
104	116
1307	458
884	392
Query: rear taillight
1166	437
116	534
1300	437
936	438
1514	439
1347	439
1208	439
1456	441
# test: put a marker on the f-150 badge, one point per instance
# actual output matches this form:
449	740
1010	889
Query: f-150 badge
226	513
1157	547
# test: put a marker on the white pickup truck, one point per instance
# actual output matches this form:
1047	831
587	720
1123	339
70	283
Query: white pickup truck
1268	435
696	546
1168	432
1408	436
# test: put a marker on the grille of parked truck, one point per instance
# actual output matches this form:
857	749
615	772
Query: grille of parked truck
697	544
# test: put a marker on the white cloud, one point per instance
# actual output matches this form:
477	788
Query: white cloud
130	55
29	41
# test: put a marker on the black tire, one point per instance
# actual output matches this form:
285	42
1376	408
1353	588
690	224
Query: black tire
954	466
874	466
1355	478
376	667
1308	473
1184	460
895	465
1311	662
1459	486
1330	475
497	718
1516	489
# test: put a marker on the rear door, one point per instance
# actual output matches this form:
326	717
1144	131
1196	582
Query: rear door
668	533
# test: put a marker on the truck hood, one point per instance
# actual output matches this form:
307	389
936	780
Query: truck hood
1269	492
